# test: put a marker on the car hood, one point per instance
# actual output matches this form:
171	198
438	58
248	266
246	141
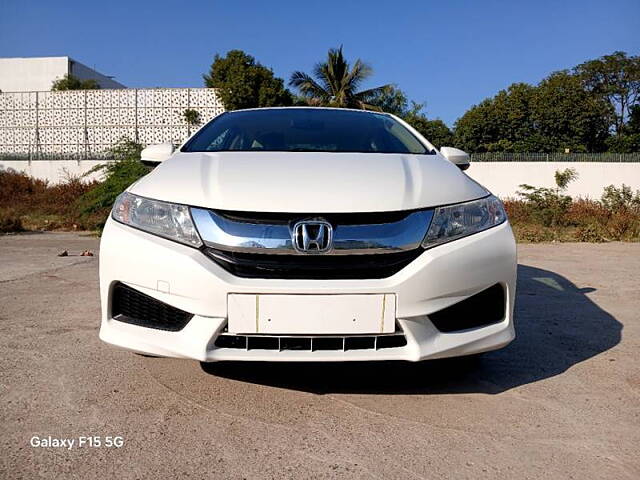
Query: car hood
308	181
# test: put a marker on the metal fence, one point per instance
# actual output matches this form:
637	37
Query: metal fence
86	124
556	157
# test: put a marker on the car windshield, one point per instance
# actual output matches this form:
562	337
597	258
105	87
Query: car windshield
305	130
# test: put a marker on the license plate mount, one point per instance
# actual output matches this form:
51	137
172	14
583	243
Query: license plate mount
311	314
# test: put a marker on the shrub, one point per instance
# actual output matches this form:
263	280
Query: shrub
614	199
118	176
624	225
533	233
94	205
592	232
191	116
517	210
38	205
549	205
17	187
546	204
583	211
125	149
546	214
10	221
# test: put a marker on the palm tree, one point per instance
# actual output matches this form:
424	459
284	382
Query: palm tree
336	85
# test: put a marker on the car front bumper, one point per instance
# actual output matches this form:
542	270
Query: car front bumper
186	279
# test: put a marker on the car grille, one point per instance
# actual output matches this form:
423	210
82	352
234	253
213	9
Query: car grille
310	344
316	267
131	306
363	245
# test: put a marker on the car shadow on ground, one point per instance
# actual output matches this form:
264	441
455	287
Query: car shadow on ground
557	327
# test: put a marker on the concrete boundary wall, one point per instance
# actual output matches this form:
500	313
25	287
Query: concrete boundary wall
54	171
502	178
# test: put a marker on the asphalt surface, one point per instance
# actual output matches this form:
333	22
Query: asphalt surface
562	401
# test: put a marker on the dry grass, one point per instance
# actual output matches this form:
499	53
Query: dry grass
583	221
27	203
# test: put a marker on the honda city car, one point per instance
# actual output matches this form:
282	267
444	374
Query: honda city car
307	234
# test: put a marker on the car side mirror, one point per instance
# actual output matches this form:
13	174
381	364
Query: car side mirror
456	156
156	154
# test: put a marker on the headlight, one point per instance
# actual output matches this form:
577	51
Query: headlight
167	220
457	221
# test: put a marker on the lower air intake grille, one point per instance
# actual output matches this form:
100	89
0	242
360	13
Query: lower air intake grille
134	307
310	344
479	310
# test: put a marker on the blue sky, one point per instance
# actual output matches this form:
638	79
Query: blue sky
450	54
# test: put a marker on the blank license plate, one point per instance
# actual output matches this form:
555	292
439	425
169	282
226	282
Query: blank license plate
311	314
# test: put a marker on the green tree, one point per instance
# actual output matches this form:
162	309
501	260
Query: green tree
337	83
573	110
629	140
566	115
616	78
626	143
502	123
393	100
244	83
557	114
633	125
436	131
70	82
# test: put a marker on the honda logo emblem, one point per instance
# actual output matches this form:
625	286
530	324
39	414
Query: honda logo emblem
312	236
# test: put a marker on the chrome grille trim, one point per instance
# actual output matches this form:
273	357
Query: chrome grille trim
223	233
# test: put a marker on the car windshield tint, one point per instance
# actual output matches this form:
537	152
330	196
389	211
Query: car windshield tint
305	130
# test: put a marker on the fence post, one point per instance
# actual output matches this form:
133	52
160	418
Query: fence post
135	114
37	132
188	107
85	132
34	126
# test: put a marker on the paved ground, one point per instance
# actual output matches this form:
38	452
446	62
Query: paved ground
562	401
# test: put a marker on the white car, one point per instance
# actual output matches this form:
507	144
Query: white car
307	234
